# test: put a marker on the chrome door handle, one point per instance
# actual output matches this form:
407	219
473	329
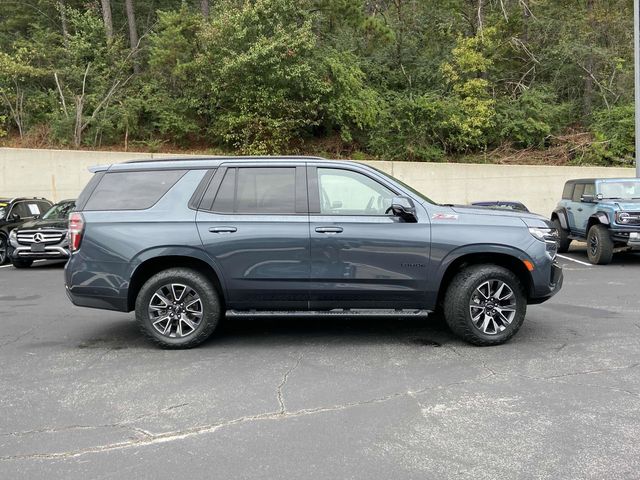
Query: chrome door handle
223	229
329	229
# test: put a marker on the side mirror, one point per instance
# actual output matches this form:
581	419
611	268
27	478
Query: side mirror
587	198
404	208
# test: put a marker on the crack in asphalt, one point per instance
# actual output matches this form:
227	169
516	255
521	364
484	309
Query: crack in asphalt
285	377
124	424
19	337
149	438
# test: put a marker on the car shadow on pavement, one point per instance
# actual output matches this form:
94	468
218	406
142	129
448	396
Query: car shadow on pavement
286	331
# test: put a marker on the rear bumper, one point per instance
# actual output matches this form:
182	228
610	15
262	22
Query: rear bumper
93	287
94	301
551	284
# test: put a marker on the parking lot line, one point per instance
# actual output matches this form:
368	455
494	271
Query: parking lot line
574	260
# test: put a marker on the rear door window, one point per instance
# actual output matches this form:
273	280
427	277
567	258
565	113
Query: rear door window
132	190
257	190
567	193
577	193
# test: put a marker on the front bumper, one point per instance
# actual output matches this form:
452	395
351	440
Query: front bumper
630	237
547	283
50	252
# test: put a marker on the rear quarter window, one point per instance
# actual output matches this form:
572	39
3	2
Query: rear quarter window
567	193
131	190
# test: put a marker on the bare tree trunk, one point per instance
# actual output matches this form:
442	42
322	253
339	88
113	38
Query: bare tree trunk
133	33
106	17
588	79
63	20
204	7
526	19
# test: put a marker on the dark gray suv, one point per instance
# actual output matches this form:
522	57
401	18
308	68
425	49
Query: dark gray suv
184	241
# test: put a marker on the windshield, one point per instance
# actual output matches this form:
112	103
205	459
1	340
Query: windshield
411	189
60	211
622	189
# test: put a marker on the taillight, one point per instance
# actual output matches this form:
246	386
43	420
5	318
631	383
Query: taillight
76	227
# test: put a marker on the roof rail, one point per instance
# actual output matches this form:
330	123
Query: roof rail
229	157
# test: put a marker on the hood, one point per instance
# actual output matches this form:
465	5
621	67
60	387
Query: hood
58	224
495	212
626	204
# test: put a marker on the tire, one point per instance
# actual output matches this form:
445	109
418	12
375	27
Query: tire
3	249
599	245
161	291
21	263
563	237
460	304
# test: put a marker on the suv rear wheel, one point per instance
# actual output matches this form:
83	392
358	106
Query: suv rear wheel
178	308
563	237
485	304
599	245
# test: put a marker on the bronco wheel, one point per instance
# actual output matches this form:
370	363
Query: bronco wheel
599	245
485	304
178	308
21	263
563	236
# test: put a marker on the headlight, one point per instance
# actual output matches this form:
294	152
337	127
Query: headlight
549	236
544	234
13	235
626	218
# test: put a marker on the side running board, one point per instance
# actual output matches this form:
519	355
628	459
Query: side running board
355	312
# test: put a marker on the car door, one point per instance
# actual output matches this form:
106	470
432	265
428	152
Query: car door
362	257
253	222
586	209
577	210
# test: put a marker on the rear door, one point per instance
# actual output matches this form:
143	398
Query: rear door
253	222
362	257
577	211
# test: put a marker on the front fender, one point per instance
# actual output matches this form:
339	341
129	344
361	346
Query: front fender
561	213
600	217
471	251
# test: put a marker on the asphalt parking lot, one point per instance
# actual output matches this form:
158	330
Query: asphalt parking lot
83	395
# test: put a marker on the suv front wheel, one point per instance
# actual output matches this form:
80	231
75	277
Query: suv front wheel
178	308
563	237
599	245
485	304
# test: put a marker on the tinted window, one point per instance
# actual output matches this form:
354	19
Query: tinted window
590	189
88	190
29	209
227	193
257	190
567	193
343	192
132	190
577	193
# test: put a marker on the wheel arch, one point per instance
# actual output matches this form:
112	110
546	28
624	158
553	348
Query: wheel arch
511	260
561	215
600	218
155	264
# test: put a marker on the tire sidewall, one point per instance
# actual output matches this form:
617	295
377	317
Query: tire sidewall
602	256
201	286
564	241
465	326
5	243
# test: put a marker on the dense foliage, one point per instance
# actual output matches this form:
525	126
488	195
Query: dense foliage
392	79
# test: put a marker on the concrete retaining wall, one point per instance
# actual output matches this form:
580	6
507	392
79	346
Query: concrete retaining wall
59	174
